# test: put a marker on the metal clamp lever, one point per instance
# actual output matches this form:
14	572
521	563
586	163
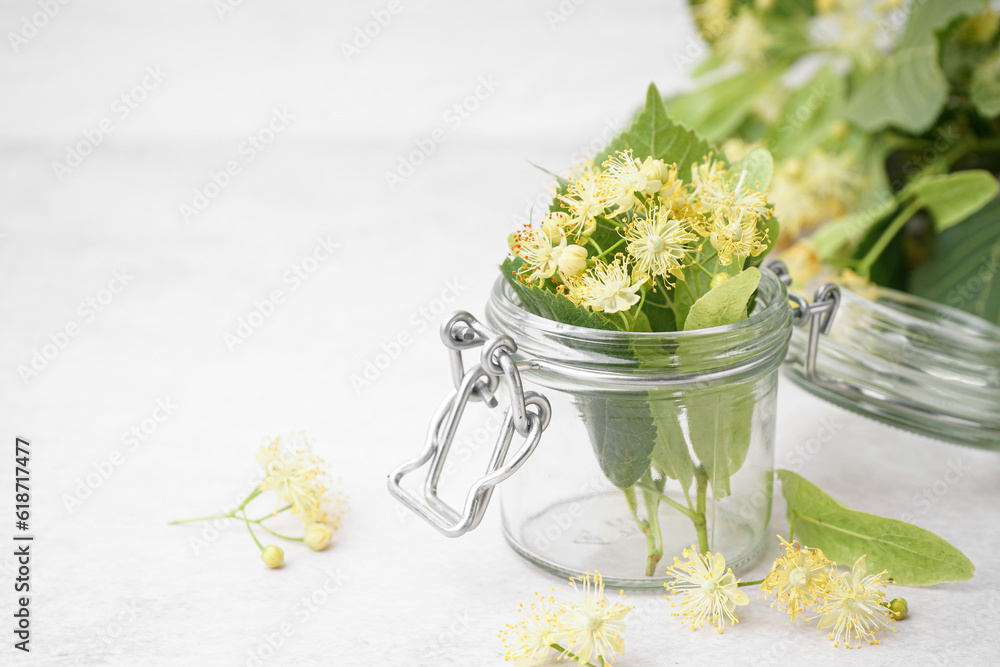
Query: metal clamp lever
461	332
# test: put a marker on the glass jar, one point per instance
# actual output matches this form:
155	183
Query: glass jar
910	363
657	441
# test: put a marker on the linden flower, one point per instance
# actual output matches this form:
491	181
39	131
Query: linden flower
293	472
658	244
734	234
834	180
712	16
554	226
798	578
624	176
853	606
710	591
606	287
708	184
745	40
592	626
537	251
529	641
585	199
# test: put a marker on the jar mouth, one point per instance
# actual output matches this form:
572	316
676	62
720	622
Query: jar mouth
760	337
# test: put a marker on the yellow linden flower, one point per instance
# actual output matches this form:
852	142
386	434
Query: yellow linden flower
572	261
658	244
712	17
585	199
709	592
606	287
538	253
798	579
745	40
529	641
708	185
624	177
318	535
273	556
294	473
734	234
592	627
853	607
554	226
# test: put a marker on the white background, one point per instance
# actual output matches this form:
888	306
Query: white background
111	582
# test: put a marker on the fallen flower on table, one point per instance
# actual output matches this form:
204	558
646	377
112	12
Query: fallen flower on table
588	626
853	606
296	477
798	578
708	591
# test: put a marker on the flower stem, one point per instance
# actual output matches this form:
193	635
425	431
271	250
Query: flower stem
284	537
570	654
652	502
865	266
701	522
605	252
791	528
750	583
259	545
202	518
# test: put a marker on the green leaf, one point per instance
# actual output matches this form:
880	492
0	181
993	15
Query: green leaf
951	198
717	109
911	555
670	452
720	422
964	271
725	304
985	89
550	305
759	166
927	18
622	433
907	91
804	119
720	419
653	134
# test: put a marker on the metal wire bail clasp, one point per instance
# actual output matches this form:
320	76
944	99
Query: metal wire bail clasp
462	332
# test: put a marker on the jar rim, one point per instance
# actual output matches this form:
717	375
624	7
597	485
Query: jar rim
773	309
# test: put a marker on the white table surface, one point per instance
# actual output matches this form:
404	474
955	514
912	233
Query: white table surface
111	582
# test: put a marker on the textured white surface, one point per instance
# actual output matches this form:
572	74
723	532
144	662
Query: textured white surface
112	583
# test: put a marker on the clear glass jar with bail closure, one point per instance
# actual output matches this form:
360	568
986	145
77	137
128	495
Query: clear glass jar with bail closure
653	441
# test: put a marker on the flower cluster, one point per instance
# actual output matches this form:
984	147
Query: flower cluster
295	475
852	605
660	218
585	627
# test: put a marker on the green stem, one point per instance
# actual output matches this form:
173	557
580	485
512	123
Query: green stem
275	513
259	545
865	266
704	270
750	583
701	524
572	655
284	537
253	494
594	243
689	513
609	249
652	502
791	529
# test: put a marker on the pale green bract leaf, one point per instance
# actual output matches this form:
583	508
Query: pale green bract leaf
804	119
653	134
951	198
985	89
928	17
759	166
912	556
725	304
907	91
719	108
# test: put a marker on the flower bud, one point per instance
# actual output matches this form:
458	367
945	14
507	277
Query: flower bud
272	556
552	226
318	535
718	279
899	609
573	260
